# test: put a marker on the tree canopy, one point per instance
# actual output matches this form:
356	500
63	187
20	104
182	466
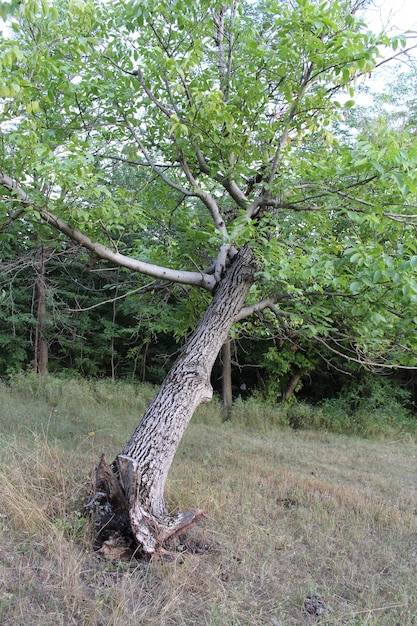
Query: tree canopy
162	136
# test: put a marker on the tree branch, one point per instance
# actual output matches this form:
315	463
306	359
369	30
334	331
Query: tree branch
363	362
269	303
155	168
197	279
168	112
205	197
287	121
230	186
144	288
405	219
11	218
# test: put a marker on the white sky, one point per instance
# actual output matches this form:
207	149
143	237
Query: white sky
393	15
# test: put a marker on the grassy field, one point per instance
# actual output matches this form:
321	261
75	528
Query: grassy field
301	527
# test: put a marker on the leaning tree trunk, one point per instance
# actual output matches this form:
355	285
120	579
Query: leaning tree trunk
142	467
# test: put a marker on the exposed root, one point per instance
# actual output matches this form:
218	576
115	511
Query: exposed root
180	524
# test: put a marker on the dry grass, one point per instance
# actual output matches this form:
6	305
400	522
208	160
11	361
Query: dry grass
290	516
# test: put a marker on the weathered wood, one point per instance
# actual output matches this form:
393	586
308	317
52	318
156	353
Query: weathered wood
106	481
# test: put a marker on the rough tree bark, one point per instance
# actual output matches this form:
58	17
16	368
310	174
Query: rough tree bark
137	480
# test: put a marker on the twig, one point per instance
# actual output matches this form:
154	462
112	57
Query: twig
125	295
365	362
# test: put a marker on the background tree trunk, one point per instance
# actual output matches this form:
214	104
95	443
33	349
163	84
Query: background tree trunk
226	363
292	385
41	354
143	465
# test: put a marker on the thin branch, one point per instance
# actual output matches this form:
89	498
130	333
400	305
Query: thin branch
138	163
349	197
204	196
139	75
266	201
287	121
396	56
230	186
361	361
144	288
405	219
11	218
155	168
168	112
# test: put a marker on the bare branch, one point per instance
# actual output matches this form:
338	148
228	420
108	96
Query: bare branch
230	186
398	55
11	218
138	163
144	288
224	64
398	217
168	112
218	19
266	201
287	121
204	196
405	219
349	197
363	362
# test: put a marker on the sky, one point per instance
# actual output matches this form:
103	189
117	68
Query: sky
393	15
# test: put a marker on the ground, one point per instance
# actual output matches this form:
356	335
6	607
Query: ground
301	527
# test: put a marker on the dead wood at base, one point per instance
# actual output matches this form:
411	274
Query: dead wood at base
123	528
108	506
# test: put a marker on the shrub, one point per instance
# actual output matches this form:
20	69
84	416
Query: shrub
371	406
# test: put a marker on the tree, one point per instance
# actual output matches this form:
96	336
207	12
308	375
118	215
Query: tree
225	113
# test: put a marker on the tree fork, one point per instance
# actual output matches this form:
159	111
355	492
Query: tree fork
141	469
